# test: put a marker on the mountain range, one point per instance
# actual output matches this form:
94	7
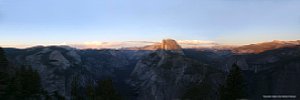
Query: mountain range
165	70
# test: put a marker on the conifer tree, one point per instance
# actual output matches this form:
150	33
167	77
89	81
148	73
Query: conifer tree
4	74
35	87
58	96
30	83
24	84
198	92
14	91
234	87
106	91
90	91
75	89
3	60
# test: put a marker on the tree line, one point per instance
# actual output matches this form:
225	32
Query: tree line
234	88
24	83
104	90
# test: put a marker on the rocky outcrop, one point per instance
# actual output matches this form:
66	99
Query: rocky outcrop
171	45
51	62
166	44
59	65
57	59
164	75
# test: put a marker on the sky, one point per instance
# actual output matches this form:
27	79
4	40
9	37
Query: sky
55	22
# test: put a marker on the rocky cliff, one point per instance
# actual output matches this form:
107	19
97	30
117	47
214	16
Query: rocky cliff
165	75
58	65
165	44
269	72
171	45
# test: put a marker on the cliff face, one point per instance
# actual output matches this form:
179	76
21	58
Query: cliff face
166	44
269	72
58	65
275	71
53	63
171	45
165	75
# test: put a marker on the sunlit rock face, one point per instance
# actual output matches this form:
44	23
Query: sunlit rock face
155	46
171	45
265	46
166	44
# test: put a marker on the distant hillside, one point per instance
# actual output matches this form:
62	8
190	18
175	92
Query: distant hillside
261	47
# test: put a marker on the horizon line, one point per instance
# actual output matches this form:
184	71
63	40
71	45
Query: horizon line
122	44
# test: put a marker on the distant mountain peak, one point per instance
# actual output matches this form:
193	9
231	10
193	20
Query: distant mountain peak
165	44
264	46
171	45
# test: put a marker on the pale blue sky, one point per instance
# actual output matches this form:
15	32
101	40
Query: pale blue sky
75	21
